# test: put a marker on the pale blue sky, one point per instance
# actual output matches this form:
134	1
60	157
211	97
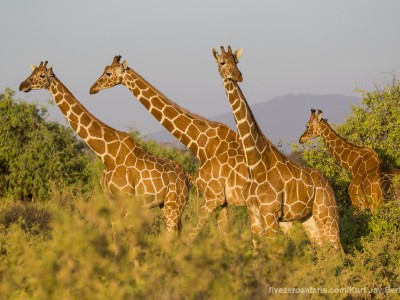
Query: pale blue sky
318	47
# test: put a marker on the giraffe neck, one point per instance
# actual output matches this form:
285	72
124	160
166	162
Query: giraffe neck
253	141
346	153
192	130
94	132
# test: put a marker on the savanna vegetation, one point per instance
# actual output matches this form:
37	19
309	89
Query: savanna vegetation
61	239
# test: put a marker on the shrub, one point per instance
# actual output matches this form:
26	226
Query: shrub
36	154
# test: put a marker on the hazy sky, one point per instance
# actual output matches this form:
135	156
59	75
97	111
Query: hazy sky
318	47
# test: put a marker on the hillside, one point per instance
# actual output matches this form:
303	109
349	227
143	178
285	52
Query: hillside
283	118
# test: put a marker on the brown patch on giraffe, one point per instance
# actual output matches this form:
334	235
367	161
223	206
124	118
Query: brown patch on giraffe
157	103
185	121
141	85
171	112
113	148
110	136
193	130
99	145
73	118
85	120
64	106
156	112
82	132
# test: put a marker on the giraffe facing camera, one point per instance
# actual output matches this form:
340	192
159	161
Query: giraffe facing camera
277	189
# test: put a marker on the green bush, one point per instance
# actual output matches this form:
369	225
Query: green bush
103	250
38	155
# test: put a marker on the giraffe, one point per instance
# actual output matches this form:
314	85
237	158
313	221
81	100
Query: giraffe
222	172
371	178
277	189
128	168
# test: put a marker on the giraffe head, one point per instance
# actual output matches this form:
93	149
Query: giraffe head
40	78
313	127
227	63
111	76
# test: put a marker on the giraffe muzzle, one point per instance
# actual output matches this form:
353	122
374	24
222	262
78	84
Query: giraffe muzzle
94	89
302	139
25	87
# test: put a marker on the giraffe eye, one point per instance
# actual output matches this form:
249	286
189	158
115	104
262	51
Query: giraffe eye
108	73
222	63
42	76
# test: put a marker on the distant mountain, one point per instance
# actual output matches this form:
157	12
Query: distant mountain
283	119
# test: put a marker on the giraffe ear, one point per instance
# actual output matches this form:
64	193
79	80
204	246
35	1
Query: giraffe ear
238	54
124	65
215	53
51	71
33	67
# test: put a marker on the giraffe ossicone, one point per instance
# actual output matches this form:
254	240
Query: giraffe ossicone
371	182
277	189
128	168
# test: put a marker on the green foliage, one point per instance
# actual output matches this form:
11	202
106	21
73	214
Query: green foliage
182	156
37	155
354	226
375	123
386	220
100	250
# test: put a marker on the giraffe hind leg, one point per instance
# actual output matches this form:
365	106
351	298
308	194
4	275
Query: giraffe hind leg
311	229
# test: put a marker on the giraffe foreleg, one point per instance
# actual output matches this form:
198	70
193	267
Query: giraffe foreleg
326	218
256	225
311	229
271	224
270	211
104	185
172	212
